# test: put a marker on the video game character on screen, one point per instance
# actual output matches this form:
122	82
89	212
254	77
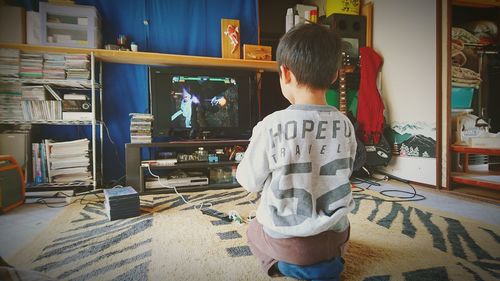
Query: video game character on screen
204	102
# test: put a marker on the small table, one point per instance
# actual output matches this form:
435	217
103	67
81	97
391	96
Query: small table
486	179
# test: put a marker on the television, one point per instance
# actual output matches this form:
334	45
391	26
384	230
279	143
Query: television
202	102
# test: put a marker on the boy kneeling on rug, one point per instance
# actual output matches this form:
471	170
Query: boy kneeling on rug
301	159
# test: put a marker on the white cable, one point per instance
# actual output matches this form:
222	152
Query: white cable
175	189
232	213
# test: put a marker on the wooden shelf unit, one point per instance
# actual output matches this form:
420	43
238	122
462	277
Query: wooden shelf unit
148	58
475	178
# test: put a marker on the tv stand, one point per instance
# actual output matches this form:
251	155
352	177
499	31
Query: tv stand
137	168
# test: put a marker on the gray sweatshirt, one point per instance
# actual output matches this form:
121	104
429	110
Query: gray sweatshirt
301	159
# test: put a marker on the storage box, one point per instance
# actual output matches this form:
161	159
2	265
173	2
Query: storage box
486	142
12	24
70	26
342	7
461	97
33	28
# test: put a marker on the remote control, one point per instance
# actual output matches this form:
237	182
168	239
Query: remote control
216	214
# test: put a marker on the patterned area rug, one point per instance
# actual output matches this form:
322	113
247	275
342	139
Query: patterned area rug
172	240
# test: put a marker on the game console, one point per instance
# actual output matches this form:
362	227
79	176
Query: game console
177	182
160	162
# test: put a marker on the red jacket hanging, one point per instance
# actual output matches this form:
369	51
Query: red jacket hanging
370	105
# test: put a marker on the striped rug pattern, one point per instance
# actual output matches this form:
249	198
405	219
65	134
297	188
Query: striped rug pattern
172	240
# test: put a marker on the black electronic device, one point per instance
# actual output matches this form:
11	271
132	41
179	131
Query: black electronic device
352	31
216	214
187	102
76	106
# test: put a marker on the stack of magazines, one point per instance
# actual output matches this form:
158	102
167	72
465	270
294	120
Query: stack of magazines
36	106
140	127
9	63
77	67
54	66
31	65
68	161
10	101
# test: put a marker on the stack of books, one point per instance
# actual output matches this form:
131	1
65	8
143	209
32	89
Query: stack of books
68	161
9	63
121	203
77	67
31	65
39	106
140	127
54	66
10	101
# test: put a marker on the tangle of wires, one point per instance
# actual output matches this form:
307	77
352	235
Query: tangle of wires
80	198
205	204
408	196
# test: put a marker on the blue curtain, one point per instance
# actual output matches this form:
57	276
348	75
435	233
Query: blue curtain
188	27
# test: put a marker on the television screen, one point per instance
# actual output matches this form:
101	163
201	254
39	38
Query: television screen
186	100
203	101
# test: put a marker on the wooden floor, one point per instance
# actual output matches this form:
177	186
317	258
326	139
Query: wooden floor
479	193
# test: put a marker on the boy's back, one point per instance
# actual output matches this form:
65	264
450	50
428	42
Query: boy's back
301	159
308	151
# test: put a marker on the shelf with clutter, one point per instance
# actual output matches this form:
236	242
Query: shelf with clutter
475	141
188	165
150	58
40	88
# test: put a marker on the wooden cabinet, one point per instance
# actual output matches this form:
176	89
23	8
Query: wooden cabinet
486	179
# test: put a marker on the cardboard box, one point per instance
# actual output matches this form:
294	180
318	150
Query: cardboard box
257	52
12	25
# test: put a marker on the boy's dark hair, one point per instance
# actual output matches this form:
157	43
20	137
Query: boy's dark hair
312	53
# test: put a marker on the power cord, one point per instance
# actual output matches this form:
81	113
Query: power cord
233	214
413	196
113	143
82	200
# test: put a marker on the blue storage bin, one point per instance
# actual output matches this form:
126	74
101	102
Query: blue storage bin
461	97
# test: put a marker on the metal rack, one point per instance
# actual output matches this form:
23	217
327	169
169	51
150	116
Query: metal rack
97	133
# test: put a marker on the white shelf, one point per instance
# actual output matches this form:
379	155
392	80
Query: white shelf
67	26
84	84
47	122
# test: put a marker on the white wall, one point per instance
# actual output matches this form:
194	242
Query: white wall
404	34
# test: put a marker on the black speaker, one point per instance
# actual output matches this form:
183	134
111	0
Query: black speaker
352	30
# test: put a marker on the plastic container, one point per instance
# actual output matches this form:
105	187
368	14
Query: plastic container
461	97
70	25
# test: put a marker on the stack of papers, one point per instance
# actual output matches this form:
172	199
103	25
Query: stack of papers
9	63
54	66
33	92
77	67
31	65
10	101
37	107
69	161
